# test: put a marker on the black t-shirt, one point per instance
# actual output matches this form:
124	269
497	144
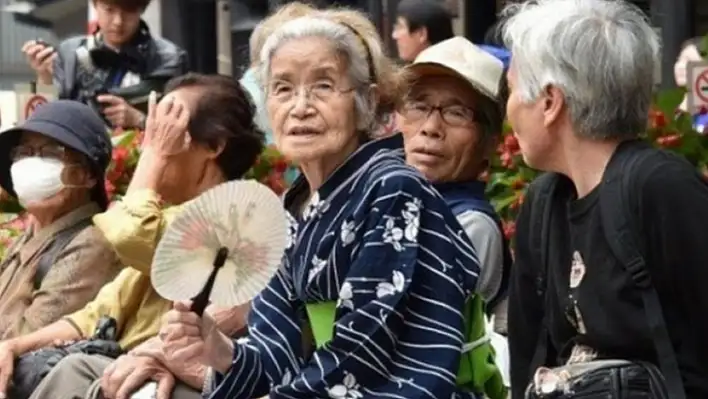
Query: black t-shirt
672	202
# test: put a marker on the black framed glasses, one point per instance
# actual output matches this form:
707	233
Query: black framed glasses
454	115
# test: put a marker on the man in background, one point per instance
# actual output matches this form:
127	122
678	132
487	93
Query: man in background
120	54
419	25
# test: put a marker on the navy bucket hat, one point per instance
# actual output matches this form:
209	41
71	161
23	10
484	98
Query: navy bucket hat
73	125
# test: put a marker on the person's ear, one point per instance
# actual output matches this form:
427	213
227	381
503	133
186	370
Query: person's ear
422	34
553	104
213	152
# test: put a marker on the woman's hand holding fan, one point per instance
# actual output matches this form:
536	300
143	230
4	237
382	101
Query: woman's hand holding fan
189	338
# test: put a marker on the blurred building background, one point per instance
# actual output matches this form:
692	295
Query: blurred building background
195	24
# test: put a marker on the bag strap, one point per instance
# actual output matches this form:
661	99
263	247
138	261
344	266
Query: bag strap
541	194
621	229
49	257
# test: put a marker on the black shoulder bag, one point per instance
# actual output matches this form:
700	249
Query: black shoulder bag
612	378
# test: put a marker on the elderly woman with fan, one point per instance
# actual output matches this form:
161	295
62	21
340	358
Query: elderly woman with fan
377	268
193	142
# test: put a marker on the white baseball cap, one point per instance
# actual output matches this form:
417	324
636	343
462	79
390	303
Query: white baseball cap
459	57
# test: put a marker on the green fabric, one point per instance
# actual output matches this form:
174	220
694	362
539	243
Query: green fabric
477	373
321	316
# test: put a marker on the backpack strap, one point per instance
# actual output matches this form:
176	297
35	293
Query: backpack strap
465	203
60	241
541	194
621	229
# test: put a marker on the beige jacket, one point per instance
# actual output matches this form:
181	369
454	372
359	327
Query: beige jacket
81	269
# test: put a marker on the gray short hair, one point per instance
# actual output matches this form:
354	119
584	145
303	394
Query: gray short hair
601	54
345	41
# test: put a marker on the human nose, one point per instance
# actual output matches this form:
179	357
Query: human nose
433	124
117	19
301	105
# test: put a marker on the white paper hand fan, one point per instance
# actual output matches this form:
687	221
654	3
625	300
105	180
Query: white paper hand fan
223	247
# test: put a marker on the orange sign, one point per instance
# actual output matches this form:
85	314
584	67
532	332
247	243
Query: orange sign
32	104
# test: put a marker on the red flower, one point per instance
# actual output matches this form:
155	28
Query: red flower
507	160
657	120
110	188
670	141
120	154
509	229
280	165
276	182
511	143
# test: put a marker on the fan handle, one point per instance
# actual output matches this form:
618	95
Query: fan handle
200	302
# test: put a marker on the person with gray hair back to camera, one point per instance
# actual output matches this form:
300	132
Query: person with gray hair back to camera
607	294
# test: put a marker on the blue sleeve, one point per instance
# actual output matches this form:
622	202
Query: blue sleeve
275	309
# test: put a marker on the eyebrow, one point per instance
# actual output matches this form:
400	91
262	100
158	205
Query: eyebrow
319	71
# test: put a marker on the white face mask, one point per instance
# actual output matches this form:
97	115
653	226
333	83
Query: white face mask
36	179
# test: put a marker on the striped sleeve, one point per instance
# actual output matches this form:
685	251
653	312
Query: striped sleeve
398	329
273	320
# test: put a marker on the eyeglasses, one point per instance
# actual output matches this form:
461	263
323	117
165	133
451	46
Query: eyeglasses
284	92
454	115
45	151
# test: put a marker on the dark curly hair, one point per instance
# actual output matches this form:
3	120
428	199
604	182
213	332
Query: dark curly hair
224	113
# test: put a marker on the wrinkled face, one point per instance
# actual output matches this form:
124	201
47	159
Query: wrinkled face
409	44
443	139
310	101
529	122
76	176
118	26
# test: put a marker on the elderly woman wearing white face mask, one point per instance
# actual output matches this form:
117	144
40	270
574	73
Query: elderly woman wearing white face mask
378	268
55	164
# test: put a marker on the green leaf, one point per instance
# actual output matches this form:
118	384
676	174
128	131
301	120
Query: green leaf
123	139
667	101
503	203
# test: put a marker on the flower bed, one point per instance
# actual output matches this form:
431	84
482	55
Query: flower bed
507	177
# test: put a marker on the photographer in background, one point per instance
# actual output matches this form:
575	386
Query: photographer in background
119	55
